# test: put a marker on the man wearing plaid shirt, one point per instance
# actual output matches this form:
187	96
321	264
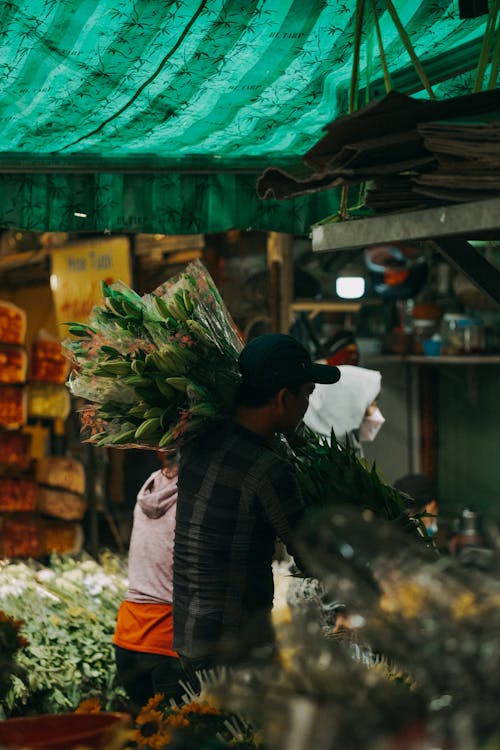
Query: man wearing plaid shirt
236	495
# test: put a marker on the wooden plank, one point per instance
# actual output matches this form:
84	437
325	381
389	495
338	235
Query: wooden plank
280	266
324	306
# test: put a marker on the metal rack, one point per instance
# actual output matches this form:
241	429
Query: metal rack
449	227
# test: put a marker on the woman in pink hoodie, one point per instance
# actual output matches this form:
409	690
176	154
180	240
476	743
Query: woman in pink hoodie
145	660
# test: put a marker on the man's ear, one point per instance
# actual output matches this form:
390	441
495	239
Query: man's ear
282	399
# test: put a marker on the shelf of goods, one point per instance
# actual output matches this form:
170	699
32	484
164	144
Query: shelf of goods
12	324
61	500
19	535
47	363
48	397
43	514
42	502
13	367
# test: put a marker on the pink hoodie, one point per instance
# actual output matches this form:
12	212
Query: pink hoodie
150	559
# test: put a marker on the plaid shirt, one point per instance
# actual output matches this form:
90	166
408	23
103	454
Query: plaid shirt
235	496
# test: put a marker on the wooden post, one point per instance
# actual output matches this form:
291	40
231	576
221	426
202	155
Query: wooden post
281	292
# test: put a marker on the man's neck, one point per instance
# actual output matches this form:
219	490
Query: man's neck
255	420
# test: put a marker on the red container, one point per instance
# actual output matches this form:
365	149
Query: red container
59	731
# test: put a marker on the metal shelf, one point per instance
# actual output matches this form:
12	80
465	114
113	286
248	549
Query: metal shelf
421	359
430	223
450	227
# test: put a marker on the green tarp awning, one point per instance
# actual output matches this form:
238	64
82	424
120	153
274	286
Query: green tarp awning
158	115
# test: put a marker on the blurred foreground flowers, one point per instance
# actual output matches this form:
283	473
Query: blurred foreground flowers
414	665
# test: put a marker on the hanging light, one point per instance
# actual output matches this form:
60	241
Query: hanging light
350	283
350	287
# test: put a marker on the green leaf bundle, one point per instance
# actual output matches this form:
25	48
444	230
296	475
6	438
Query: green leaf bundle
330	473
155	369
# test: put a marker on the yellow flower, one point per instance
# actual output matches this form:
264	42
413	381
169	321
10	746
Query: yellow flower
81	612
157	739
465	606
149	716
176	720
154	702
198	708
89	706
287	657
407	599
153	731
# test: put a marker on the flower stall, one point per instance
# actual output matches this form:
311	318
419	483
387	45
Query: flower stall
130	117
415	626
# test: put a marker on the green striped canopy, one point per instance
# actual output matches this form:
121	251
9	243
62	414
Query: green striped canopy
158	115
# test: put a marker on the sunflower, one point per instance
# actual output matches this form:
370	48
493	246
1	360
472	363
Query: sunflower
152	731
89	706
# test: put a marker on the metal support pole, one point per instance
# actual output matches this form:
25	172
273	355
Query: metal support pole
464	256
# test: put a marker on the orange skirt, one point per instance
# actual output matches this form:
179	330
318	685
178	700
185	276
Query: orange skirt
145	627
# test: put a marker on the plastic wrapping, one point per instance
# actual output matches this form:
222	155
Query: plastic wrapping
155	369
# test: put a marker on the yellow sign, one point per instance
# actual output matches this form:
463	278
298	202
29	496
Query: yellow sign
77	272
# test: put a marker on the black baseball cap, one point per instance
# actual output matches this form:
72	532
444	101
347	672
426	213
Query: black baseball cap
276	360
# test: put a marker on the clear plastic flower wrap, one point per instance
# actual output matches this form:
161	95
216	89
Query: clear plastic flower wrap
155	369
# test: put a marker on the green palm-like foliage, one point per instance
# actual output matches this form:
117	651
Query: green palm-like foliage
330	473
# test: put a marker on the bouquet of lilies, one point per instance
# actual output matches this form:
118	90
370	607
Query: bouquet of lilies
155	369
